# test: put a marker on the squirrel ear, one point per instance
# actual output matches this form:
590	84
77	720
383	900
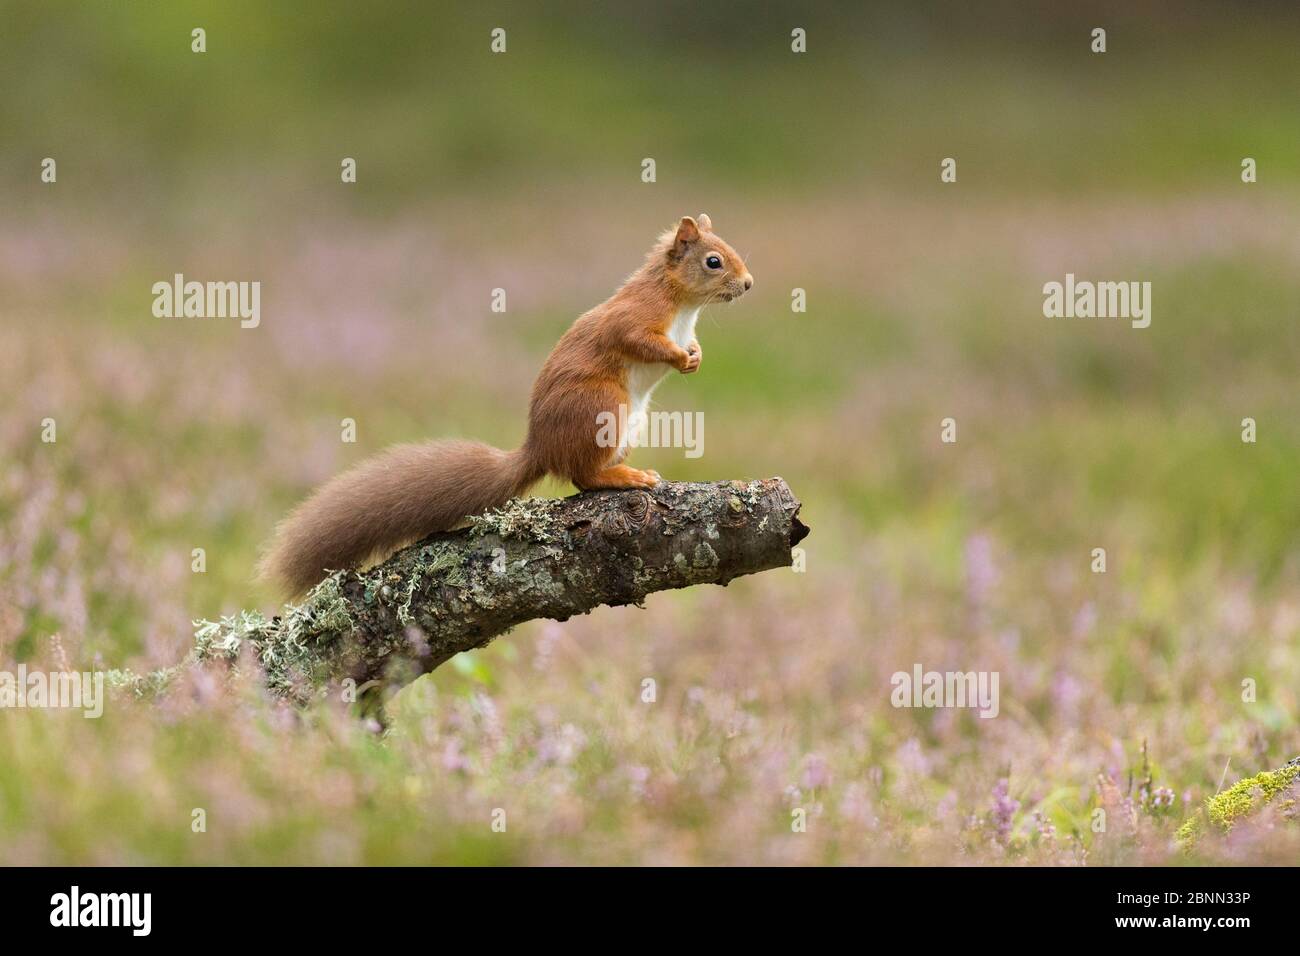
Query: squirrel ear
687	232
705	222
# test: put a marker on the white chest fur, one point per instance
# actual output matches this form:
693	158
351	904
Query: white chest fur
642	379
682	331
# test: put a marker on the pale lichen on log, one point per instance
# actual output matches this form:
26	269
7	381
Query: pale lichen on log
531	558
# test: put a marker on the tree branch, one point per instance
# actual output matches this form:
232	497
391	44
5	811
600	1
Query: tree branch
532	558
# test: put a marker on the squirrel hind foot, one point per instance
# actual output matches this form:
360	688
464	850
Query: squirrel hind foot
618	477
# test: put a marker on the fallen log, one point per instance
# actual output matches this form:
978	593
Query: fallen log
374	630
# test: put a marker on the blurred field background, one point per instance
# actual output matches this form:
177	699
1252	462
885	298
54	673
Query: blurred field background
522	171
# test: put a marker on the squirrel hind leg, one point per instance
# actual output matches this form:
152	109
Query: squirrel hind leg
617	477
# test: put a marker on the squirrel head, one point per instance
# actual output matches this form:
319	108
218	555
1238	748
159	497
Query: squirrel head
704	267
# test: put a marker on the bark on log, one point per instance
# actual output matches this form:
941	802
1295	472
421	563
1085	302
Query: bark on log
532	558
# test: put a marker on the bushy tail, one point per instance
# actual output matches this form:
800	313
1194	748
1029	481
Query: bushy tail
388	501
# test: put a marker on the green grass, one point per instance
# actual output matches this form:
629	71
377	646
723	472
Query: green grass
924	302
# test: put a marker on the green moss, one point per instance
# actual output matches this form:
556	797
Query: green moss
444	564
1224	809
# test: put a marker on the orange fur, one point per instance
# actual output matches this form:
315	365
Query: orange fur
410	491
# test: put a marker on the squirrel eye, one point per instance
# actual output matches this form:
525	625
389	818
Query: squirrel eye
713	262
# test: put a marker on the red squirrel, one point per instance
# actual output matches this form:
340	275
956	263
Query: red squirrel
612	356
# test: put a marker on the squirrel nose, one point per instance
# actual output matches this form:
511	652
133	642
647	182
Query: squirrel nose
749	282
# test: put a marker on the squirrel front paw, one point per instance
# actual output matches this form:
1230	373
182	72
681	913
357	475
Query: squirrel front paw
694	355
